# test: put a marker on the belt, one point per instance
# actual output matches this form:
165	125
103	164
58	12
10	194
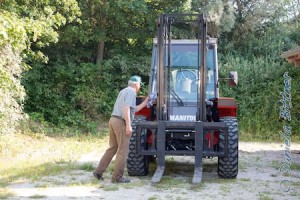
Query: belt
118	117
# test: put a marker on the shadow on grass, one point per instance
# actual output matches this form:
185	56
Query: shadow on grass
35	173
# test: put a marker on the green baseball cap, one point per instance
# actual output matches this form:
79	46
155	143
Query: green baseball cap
136	79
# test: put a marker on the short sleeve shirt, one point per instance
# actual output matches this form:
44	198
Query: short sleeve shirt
126	97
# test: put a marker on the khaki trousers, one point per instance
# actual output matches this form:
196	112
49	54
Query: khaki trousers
118	144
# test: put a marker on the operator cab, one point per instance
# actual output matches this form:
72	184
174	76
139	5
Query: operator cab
183	80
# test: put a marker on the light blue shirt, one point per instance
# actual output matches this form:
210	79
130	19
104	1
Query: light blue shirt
126	97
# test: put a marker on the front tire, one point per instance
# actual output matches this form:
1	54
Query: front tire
228	167
137	165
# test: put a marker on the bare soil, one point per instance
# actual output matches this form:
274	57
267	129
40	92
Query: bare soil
259	177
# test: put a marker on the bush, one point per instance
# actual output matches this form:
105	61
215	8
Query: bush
79	94
258	95
12	42
11	91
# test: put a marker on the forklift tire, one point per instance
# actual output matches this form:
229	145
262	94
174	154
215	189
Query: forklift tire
228	166
137	165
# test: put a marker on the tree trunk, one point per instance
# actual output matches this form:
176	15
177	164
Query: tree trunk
239	9
100	52
102	25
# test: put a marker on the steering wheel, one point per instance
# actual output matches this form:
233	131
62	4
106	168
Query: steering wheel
185	74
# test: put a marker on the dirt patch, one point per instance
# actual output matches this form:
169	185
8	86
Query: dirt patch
259	178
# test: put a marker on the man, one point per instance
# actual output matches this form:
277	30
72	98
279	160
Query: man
120	130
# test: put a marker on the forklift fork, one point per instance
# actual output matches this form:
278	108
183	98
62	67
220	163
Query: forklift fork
161	142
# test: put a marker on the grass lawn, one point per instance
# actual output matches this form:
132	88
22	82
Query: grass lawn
30	157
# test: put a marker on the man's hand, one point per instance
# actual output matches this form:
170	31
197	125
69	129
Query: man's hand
151	98
128	130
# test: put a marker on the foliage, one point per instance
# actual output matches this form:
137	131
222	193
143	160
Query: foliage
220	15
268	42
77	91
11	91
255	54
24	27
40	19
12	42
260	19
79	94
258	95
62	41
295	31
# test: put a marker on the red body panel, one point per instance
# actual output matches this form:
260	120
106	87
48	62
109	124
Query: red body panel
227	107
227	111
215	139
145	112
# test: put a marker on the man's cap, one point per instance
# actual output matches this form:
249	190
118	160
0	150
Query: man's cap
136	79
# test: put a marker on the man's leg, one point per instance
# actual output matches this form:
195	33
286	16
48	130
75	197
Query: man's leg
110	152
123	142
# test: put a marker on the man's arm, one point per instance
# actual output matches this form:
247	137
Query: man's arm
127	115
127	120
142	105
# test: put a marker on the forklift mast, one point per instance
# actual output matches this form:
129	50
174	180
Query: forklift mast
164	45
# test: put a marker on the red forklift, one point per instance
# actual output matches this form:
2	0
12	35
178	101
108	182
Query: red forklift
187	116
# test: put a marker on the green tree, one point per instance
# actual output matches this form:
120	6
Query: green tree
25	28
262	31
220	15
82	52
116	26
12	42
42	20
254	19
80	85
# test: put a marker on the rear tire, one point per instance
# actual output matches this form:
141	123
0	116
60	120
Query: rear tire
137	165
228	167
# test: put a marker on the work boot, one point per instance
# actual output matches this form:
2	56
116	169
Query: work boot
97	176
120	180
